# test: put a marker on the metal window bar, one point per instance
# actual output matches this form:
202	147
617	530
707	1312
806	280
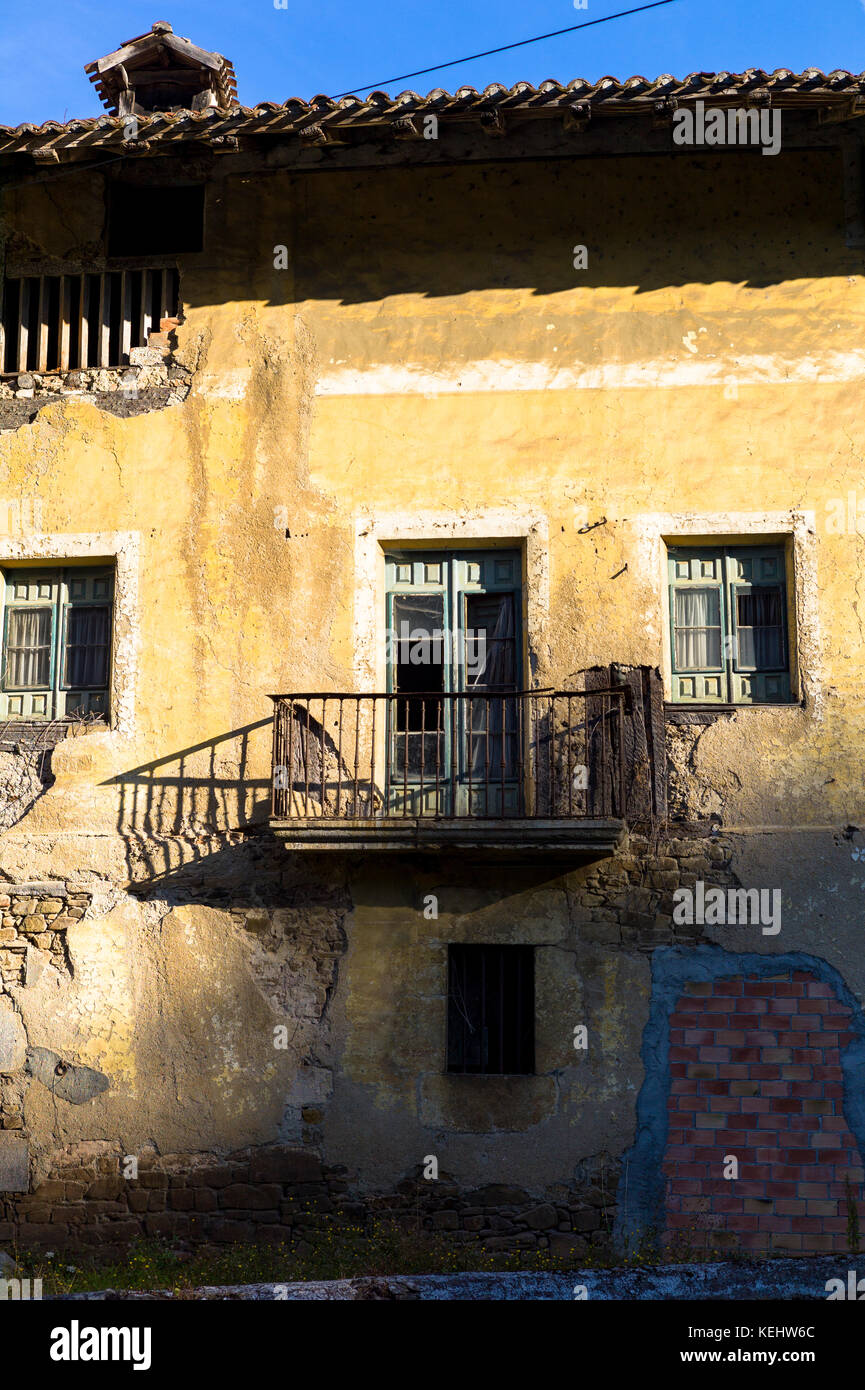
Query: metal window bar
51	323
490	1010
332	769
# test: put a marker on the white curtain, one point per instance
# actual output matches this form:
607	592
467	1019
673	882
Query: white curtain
698	629
28	648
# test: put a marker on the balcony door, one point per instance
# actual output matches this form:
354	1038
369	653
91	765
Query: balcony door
454	649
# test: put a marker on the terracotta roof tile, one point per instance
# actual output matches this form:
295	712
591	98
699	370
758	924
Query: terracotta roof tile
607	97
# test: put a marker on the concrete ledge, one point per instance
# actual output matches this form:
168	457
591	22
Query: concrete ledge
744	1281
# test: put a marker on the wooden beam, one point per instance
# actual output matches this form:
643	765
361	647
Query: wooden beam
103	347
145	314
851	110
84	322
23	323
64	316
42	326
125	317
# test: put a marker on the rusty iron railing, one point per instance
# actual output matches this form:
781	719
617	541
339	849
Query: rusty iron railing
478	755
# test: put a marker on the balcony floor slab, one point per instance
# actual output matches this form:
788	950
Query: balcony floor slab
528	839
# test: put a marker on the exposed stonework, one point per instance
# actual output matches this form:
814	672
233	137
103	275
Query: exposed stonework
32	927
287	1195
152	381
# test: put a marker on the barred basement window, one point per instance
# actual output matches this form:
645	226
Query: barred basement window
491	1010
56	659
729	625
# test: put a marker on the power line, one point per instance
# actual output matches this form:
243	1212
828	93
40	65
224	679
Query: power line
522	43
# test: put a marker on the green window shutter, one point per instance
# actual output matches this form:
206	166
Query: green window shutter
57	627
86	622
473	599
757	589
698	620
463	579
27	688
728	625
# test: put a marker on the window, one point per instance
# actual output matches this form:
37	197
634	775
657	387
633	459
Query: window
89	319
155	219
56	642
454	624
491	1009
728	625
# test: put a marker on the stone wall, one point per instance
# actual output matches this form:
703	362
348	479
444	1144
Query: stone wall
280	1194
287	925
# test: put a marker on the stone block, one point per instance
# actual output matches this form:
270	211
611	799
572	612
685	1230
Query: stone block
567	1247
500	1195
285	1165
445	1221
50	1191
14	1162
106	1189
541	1218
217	1176
250	1197
13	1039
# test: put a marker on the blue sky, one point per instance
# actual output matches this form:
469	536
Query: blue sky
334	45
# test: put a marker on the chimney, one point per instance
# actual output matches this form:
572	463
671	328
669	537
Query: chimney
160	71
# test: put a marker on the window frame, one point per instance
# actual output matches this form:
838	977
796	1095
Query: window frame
523	1046
738	685
96	699
456	585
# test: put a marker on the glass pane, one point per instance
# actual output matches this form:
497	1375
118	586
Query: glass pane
417	642
28	649
490	644
760	629
697	621
87	640
418	655
494	722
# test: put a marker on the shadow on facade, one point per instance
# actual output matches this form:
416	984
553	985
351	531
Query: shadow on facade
195	821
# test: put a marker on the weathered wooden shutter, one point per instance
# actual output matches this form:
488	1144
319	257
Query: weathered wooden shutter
697	570
85	674
758	676
29	644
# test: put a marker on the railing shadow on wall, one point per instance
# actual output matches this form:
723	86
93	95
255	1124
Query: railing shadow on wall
183	816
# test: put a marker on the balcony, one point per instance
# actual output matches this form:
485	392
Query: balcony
524	773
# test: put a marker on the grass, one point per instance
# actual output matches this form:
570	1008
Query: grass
340	1251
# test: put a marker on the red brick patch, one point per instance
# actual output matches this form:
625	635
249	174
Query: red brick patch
757	1075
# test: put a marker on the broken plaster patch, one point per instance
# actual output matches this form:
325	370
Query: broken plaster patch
68	1082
